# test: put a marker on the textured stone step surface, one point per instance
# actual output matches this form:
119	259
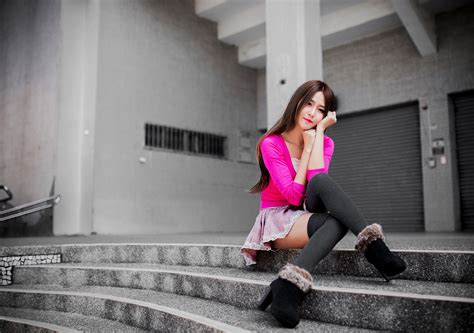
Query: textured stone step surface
235	317
408	241
12	325
56	321
141	314
182	279
341	300
429	265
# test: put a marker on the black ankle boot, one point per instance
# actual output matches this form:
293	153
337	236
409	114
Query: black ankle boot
286	293
370	243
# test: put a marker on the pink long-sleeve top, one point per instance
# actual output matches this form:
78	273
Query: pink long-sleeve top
282	189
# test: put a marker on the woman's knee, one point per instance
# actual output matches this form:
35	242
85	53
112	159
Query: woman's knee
319	181
315	222
315	190
334	223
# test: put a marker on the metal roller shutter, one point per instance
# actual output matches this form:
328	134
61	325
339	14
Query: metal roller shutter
377	162
464	124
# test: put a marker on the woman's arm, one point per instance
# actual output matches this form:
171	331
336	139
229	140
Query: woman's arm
302	168
279	172
316	160
321	154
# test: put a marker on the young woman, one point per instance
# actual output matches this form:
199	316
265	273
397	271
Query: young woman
302	207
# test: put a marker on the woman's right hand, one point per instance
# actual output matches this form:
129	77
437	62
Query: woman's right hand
328	121
308	138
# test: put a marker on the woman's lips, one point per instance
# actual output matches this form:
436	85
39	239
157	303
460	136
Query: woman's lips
307	120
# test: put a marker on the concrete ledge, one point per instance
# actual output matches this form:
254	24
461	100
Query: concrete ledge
349	297
72	321
427	265
457	241
181	279
10	324
388	311
135	313
356	308
248	319
173	254
7	263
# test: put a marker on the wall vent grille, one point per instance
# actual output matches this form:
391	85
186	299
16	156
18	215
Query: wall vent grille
185	141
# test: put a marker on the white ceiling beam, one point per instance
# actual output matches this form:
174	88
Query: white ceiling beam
204	7
360	20
242	23
419	23
218	10
352	16
244	26
253	54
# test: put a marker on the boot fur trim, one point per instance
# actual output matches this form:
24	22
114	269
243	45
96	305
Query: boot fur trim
298	276
368	235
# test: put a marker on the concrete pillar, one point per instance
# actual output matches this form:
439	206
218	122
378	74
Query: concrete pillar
294	53
440	178
76	116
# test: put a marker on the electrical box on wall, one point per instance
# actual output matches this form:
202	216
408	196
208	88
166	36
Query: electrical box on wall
431	162
438	147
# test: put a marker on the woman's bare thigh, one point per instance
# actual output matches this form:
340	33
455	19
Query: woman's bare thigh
298	235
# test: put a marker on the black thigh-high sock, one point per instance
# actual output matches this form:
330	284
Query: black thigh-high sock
324	237
323	189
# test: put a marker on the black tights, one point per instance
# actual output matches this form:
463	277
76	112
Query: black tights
326	229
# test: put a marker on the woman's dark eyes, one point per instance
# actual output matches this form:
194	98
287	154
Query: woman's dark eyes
310	103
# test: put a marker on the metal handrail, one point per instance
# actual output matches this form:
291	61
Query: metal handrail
14	212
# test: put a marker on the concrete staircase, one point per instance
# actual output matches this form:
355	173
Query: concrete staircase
202	287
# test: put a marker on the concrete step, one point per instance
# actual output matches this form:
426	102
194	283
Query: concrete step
137	313
11	324
408	241
30	320
103	302
338	300
427	265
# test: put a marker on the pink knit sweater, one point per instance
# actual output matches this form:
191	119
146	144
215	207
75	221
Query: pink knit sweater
282	190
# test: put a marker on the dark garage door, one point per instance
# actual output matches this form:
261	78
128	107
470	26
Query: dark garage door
464	124
377	162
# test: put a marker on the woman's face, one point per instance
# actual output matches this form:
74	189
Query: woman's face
311	113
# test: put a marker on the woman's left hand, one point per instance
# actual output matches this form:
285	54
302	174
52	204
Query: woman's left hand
328	121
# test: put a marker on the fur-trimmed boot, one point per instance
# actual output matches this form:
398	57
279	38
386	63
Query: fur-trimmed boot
286	293
370	243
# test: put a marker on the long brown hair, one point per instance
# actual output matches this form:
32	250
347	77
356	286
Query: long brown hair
287	122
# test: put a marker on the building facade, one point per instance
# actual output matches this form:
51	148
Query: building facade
81	81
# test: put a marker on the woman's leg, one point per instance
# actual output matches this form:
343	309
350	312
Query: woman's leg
369	237
323	237
324	230
304	227
322	188
294	281
297	237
